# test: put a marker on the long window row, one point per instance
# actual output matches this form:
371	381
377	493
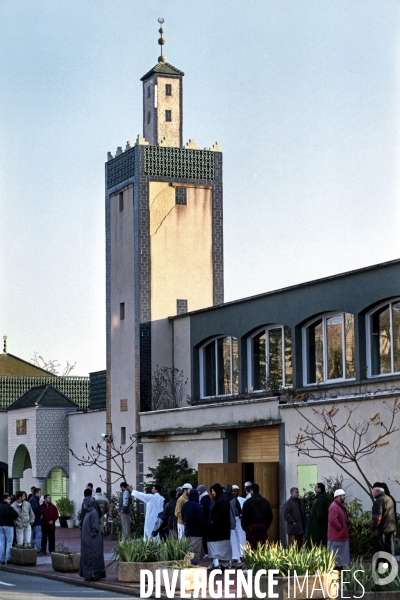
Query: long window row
328	353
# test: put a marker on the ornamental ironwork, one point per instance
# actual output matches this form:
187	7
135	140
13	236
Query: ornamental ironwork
178	162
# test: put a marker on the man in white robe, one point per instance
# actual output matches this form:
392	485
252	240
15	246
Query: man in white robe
154	505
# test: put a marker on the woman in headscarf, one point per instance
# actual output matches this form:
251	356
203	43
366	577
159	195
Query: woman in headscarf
92	555
219	529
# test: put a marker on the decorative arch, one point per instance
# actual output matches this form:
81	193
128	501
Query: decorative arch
21	461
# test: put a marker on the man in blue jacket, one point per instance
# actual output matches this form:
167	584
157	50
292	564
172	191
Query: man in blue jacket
193	518
36	538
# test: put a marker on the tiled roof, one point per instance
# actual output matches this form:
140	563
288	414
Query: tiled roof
163	69
43	395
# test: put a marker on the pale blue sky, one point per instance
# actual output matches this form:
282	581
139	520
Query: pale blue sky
302	95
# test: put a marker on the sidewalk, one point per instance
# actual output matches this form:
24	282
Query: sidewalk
71	538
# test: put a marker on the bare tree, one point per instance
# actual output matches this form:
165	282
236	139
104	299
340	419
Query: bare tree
167	388
108	457
52	365
345	441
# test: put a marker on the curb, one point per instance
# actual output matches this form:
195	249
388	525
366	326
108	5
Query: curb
98	585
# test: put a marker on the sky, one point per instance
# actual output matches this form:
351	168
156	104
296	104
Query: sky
302	95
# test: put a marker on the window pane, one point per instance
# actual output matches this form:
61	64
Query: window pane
275	357
224	366
396	335
380	342
334	347
235	370
258	361
288	357
315	353
209	375
350	345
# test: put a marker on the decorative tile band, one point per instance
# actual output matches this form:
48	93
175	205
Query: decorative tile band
179	162
121	168
13	386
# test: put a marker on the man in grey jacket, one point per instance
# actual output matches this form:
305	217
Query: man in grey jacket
26	517
295	517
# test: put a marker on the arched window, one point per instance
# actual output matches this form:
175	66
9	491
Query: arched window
270	358
383	329
328	344
219	367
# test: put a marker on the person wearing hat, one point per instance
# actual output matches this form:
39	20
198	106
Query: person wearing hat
155	505
383	524
247	487
338	530
235	492
205	502
178	509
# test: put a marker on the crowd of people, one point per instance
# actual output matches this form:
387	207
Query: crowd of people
218	524
27	521
328	521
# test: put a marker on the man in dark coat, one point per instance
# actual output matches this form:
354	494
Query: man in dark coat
36	538
205	502
8	515
219	529
383	524
92	565
295	517
318	529
169	511
256	517
50	516
193	518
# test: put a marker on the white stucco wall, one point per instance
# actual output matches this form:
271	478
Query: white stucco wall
84	428
4	437
383	465
28	440
182	350
206	446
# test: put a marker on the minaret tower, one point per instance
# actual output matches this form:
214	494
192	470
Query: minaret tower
162	102
164	248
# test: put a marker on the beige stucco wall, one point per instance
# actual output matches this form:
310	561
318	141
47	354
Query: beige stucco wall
171	129
84	428
122	331
180	248
383	465
206	446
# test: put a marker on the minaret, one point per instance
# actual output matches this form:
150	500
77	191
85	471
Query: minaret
162	102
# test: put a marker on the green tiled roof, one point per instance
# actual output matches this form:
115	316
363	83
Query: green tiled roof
43	395
163	69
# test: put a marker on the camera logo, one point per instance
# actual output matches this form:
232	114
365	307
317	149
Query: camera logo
381	561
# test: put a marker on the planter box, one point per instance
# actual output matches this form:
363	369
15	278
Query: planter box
130	571
26	556
285	592
189	577
70	523
65	562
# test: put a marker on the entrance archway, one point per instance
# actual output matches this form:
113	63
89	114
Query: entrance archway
21	461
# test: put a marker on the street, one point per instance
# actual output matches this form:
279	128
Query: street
17	587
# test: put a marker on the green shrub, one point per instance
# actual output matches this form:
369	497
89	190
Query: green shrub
359	528
65	507
364	577
274	556
151	550
170	473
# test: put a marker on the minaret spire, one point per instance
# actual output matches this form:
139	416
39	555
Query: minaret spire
161	41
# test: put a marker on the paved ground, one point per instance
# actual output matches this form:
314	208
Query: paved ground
16	587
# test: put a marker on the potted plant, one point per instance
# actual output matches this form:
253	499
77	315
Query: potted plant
23	555
65	509
132	555
313	566
78	519
64	560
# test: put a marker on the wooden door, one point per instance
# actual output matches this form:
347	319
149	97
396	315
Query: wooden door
267	477
222	473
